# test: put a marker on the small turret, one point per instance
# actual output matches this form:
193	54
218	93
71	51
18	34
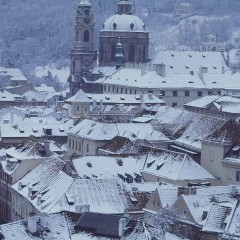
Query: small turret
125	7
119	58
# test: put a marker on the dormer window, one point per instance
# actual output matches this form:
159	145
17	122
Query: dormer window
114	26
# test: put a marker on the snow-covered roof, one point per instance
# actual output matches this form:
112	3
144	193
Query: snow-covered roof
182	62
37	127
187	127
58	228
123	23
94	130
168	195
14	73
174	166
103	196
46	180
107	167
106	98
228	104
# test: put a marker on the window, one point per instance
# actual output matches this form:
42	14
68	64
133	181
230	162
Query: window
78	108
174	104
130	91
175	93
87	147
219	92
131	54
86	36
79	146
121	90
187	93
109	88
105	88
126	91
238	176
69	143
76	146
163	93
135	91
117	90
113	53
72	144
154	203
209	92
113	89
199	94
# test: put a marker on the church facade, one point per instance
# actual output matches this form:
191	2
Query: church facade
123	38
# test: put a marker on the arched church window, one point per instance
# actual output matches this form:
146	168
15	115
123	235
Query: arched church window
131	26
144	54
86	36
113	52
131	53
114	26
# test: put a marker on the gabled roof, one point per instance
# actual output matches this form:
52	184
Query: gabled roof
48	181
79	97
174	166
182	62
94	130
123	145
107	167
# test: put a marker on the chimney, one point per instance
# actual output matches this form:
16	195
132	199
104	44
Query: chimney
184	190
32	224
101	105
82	208
233	190
160	69
47	148
223	70
94	103
39	199
202	70
122	226
150	96
59	116
141	100
19	185
68	168
29	191
204	215
44	220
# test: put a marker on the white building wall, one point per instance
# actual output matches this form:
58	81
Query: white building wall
211	156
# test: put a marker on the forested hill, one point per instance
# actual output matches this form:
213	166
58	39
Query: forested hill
40	32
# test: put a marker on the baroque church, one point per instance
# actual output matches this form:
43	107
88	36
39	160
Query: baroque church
123	38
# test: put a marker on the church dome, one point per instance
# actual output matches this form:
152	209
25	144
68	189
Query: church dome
124	22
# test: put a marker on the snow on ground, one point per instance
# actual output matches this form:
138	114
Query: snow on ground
62	74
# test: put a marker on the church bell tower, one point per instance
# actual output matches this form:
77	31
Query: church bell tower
83	55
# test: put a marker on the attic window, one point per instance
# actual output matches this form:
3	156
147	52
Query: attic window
191	72
190	55
89	164
214	82
107	98
171	66
164	82
160	166
187	67
214	67
132	26
105	132
61	129
137	98
172	54
135	80
120	162
114	26
35	129
190	82
90	97
203	56
122	98
21	130
150	164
